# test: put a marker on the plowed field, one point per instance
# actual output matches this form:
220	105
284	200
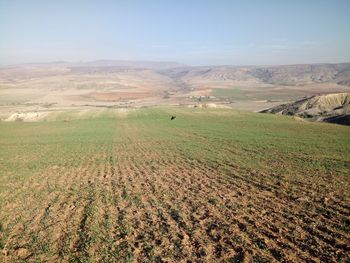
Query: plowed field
213	185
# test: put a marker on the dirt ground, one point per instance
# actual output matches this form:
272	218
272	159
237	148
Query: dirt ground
144	192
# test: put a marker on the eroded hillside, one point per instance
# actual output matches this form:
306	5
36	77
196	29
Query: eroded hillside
333	108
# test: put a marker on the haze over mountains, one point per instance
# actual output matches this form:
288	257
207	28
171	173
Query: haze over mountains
282	74
114	83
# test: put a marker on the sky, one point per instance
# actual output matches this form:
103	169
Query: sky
194	32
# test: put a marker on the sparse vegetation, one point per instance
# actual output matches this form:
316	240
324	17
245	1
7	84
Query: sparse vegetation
214	184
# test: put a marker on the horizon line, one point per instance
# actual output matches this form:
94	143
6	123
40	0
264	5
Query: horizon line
162	61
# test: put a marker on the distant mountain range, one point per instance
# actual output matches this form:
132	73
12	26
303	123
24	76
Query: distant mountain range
280	75
109	63
289	75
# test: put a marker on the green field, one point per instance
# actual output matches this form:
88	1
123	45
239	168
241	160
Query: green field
211	185
234	93
258	93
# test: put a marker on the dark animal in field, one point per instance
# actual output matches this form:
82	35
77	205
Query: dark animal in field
172	118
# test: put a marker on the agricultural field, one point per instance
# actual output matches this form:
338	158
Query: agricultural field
213	185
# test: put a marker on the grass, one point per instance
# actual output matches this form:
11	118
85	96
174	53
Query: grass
261	93
105	188
234	93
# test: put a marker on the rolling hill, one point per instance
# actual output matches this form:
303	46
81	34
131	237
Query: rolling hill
108	83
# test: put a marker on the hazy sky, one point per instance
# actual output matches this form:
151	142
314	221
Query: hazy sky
193	32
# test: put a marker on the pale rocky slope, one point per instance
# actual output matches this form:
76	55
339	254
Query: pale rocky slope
333	108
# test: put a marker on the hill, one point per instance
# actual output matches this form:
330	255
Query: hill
283	74
109	83
333	108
